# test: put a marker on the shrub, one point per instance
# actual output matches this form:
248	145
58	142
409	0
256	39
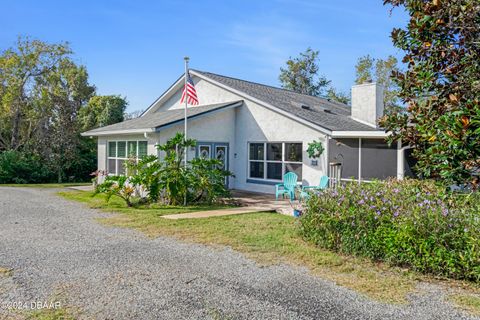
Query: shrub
20	167
167	179
118	186
408	223
146	173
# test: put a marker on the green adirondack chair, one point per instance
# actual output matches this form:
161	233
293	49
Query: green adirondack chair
288	186
322	185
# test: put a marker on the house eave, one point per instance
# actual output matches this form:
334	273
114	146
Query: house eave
360	134
117	132
231	105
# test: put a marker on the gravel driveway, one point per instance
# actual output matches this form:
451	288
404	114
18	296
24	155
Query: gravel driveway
56	248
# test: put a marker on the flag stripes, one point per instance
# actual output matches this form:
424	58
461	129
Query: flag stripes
190	92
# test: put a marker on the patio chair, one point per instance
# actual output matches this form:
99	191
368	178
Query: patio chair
322	185
287	187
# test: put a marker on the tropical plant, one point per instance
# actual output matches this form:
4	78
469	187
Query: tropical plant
173	175
146	173
207	179
118	186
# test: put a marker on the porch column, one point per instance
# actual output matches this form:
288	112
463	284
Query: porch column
400	160
359	160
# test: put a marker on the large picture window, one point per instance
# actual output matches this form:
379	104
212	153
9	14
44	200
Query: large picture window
120	151
270	161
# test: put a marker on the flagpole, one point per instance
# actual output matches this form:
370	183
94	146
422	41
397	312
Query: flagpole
185	133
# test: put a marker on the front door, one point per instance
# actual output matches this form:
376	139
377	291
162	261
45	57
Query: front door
215	150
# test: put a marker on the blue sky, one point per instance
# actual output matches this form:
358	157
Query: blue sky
136	48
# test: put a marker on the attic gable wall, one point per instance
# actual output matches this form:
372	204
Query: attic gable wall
207	93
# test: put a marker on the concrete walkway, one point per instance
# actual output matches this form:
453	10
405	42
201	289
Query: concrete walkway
249	202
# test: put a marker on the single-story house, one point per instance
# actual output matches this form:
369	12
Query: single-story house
261	132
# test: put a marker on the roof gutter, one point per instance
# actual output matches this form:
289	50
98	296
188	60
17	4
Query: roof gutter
361	134
115	132
191	117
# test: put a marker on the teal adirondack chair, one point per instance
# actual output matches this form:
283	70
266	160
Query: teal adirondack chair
322	185
288	186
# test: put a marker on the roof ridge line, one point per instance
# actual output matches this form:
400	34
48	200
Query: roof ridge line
273	87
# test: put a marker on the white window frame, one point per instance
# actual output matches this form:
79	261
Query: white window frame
265	161
117	158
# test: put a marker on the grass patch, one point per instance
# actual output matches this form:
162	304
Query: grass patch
267	238
118	205
51	314
46	185
467	302
5	272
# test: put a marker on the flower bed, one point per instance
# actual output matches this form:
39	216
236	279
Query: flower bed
406	223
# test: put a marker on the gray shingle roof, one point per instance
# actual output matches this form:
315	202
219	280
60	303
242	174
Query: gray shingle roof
156	120
327	114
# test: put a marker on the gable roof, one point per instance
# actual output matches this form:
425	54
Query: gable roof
155	121
330	115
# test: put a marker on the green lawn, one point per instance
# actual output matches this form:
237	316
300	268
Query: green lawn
118	205
268	238
47	185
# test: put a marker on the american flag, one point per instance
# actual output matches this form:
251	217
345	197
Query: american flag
190	91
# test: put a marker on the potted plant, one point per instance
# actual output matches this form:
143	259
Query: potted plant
297	207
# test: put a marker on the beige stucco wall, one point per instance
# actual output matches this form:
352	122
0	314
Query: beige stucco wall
206	92
273	127
215	127
152	139
250	122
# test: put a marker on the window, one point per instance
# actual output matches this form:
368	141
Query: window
204	151
120	151
270	161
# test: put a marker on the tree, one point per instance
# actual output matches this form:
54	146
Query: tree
301	74
63	92
42	94
338	96
381	71
364	69
441	88
20	70
102	111
132	115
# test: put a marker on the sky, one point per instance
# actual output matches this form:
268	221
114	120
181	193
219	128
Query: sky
135	48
